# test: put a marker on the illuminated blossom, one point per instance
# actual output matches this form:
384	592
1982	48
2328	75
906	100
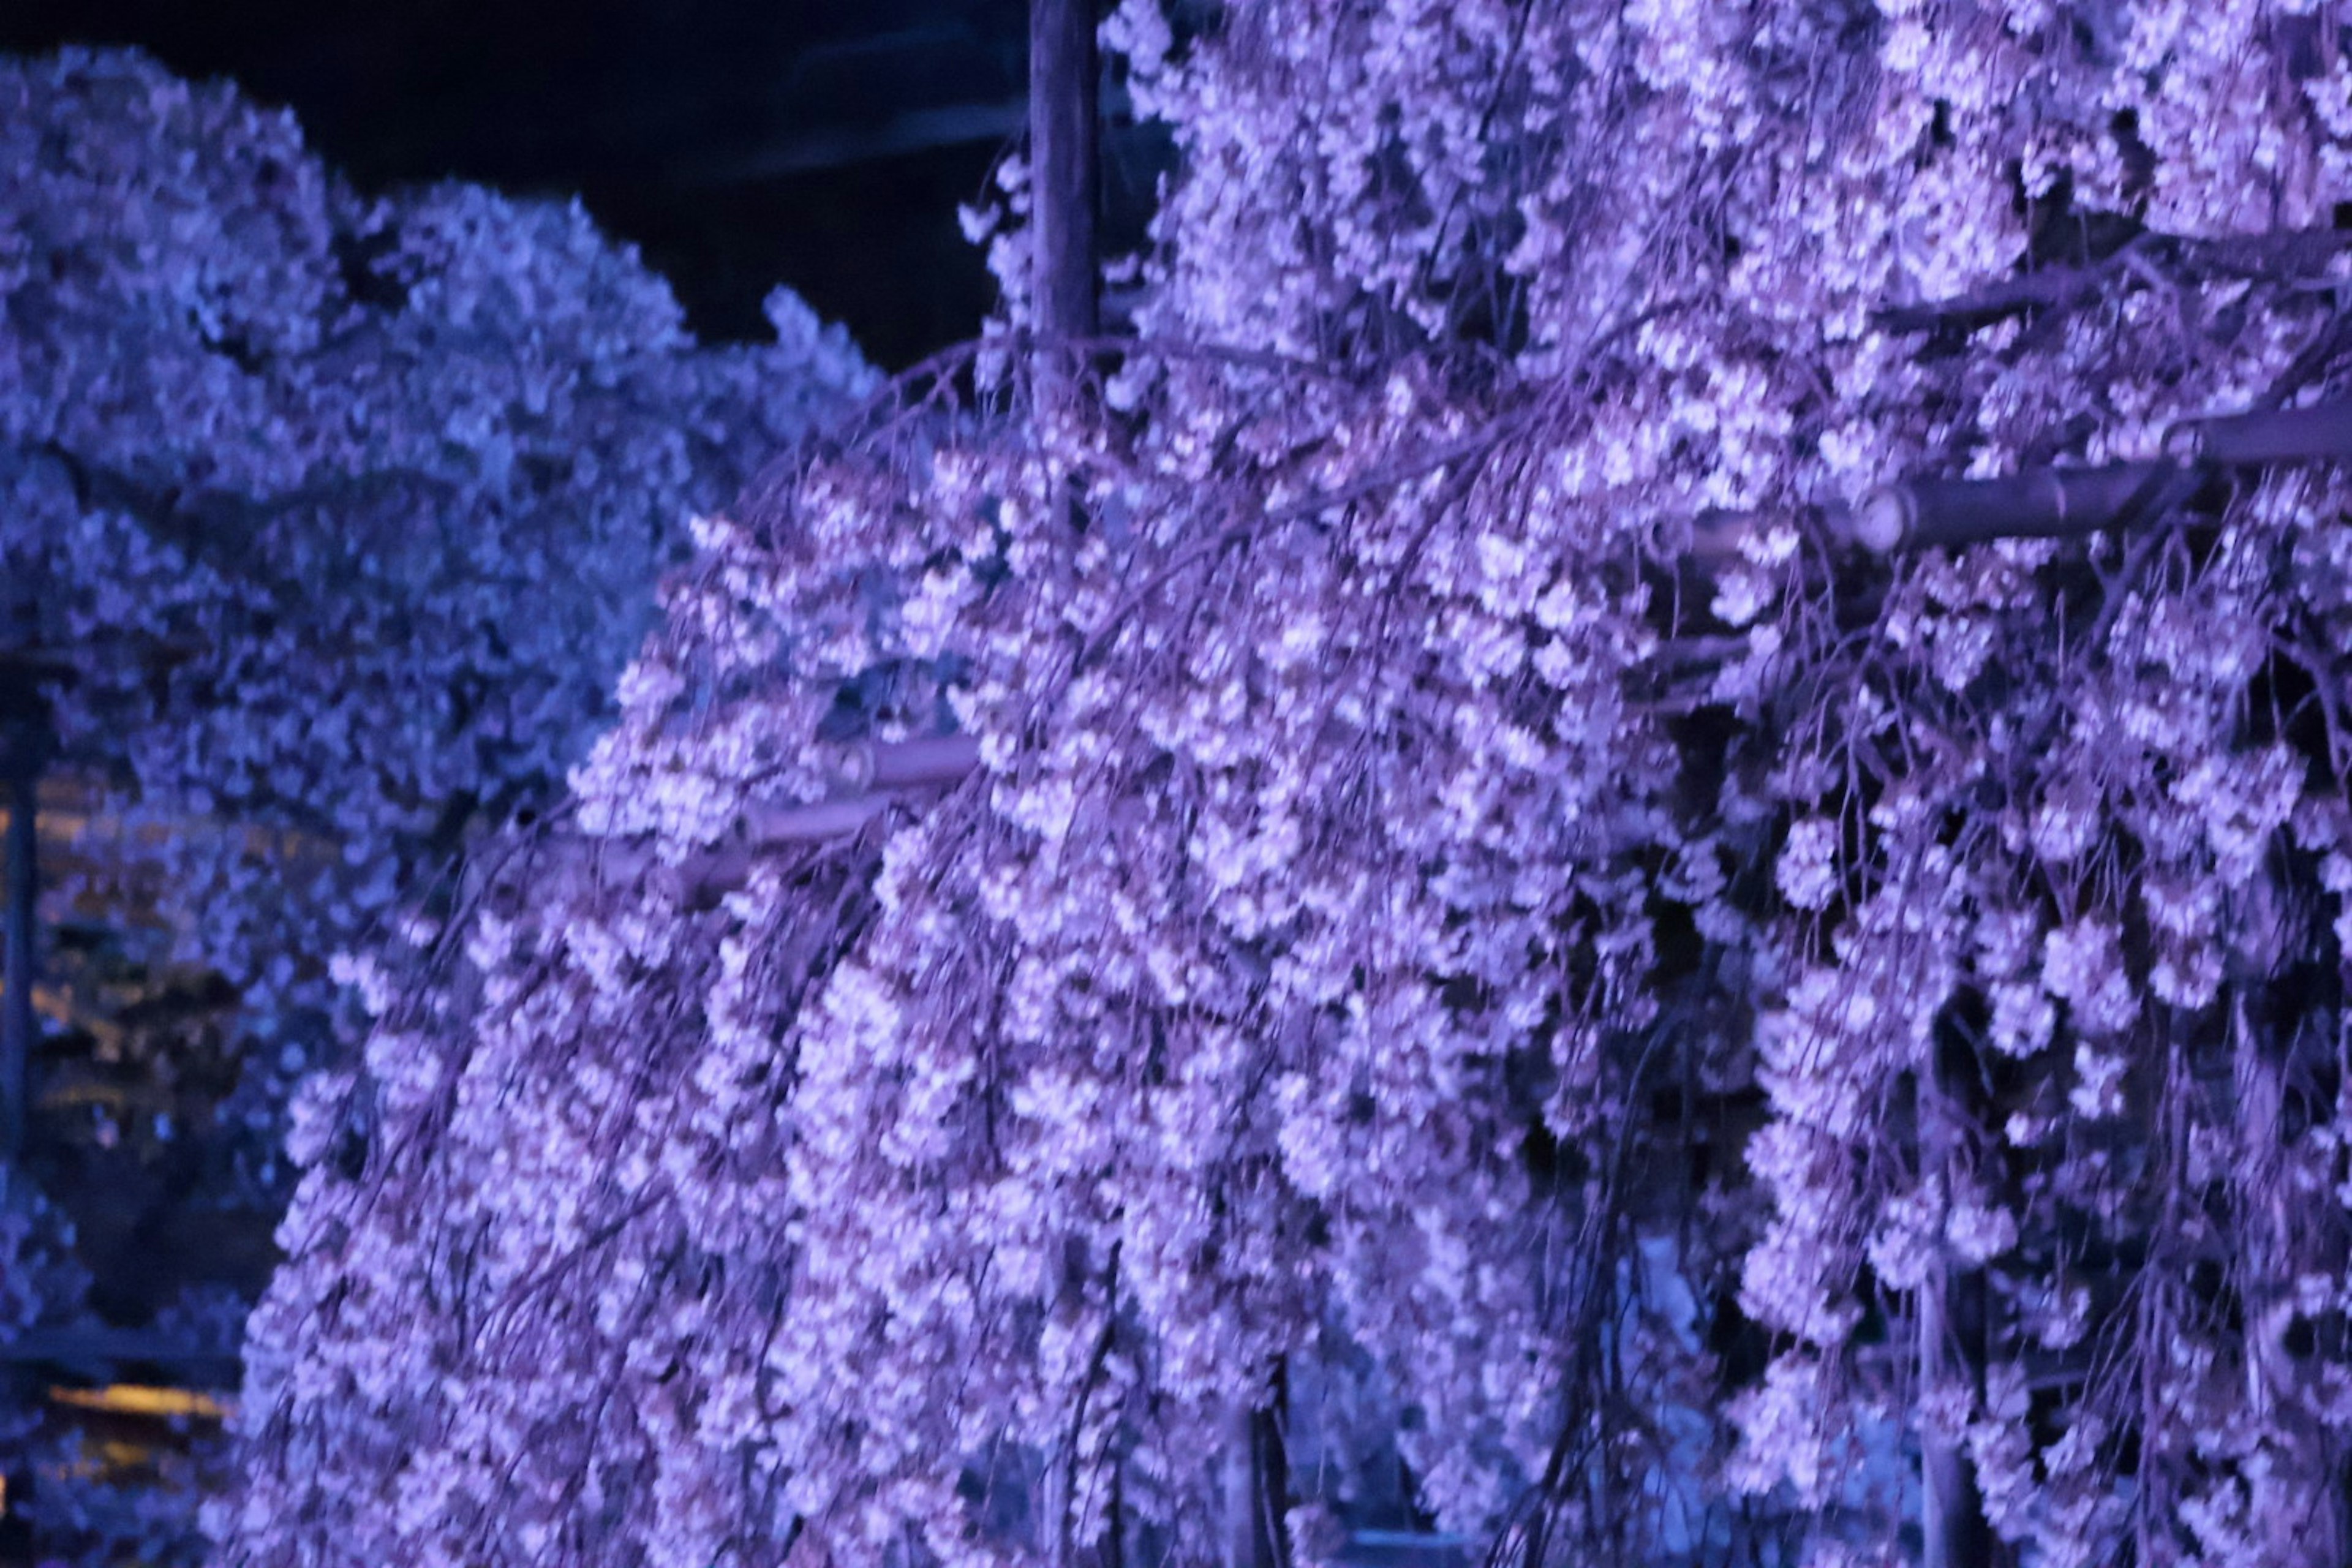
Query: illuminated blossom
1399	887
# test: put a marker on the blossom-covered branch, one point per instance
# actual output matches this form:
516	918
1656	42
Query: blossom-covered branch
1614	1127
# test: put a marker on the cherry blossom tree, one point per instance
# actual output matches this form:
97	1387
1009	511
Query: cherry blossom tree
339	509
1652	791
332	519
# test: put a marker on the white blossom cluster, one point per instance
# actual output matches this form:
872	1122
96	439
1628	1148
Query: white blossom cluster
341	508
1358	940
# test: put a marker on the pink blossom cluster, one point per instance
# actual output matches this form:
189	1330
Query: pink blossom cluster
1422	929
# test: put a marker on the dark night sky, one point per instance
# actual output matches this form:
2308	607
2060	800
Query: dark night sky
822	143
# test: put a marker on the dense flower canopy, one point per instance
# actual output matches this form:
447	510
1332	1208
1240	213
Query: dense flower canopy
328	520
1477	906
341	509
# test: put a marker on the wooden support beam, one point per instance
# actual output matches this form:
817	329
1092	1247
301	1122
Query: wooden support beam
2279	257
2059	503
24	751
1951	1348
1913	514
928	762
880	775
1063	155
1270	1477
97	1353
2041	503
2321	432
1951	1328
925	762
18	1023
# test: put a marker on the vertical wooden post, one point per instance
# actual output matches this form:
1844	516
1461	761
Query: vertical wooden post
1270	1474
1951	1350
1256	1483
1237	1491
1951	1326
16	1020
1063	160
24	747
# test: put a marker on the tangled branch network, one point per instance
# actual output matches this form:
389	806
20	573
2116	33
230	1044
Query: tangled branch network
1424	949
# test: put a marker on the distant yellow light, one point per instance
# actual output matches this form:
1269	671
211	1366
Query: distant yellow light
137	1399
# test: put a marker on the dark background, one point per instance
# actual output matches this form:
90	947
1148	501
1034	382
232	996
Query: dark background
822	143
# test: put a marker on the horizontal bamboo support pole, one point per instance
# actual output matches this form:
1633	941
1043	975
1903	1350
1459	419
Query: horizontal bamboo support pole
880	774
2281	256
769	825
2060	503
2319	433
926	761
890	769
2042	503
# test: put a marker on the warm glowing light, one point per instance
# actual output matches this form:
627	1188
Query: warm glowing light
137	1399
